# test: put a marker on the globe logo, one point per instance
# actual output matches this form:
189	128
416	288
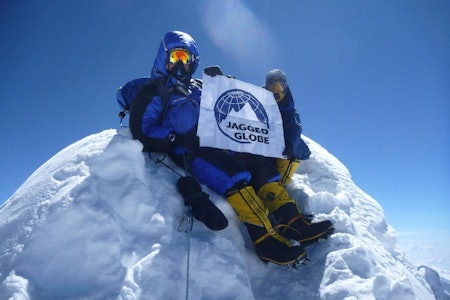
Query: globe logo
238	129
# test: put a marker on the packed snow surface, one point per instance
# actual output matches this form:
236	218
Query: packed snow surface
100	220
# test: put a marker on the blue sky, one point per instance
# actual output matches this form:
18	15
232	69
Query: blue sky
371	80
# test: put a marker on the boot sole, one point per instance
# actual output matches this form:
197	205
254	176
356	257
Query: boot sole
323	235
296	261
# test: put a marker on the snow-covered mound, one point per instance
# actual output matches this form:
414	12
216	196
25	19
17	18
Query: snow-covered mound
100	220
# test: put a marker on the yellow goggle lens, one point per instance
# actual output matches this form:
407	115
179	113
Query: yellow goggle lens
182	55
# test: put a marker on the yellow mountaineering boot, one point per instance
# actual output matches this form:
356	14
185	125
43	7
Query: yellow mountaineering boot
291	223
269	244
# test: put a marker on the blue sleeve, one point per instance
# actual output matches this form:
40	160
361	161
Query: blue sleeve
130	90
292	129
291	125
151	121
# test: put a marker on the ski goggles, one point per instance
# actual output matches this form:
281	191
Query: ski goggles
176	55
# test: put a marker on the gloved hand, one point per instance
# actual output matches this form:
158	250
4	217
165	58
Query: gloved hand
213	71
188	140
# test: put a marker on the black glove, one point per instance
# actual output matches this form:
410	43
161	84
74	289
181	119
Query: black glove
189	140
213	71
202	208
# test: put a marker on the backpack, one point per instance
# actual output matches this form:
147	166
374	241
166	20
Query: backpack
127	94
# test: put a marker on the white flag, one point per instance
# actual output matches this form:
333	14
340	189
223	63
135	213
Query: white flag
239	116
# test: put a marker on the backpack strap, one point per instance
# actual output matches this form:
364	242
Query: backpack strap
164	95
126	94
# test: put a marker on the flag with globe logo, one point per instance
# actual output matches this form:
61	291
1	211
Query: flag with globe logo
239	116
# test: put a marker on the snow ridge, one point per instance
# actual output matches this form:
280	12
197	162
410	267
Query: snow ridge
99	220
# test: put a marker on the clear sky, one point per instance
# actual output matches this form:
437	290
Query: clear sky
371	80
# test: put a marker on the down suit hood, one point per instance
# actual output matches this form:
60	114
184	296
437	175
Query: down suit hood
172	40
